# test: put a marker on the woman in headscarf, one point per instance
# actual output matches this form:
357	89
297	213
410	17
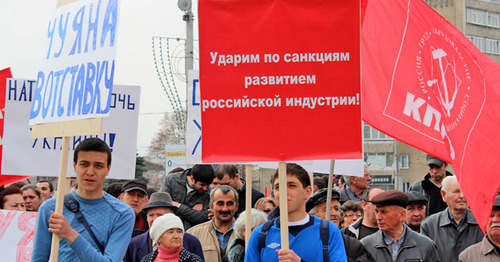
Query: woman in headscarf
167	231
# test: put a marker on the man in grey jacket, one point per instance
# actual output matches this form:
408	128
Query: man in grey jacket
190	194
453	229
488	249
395	241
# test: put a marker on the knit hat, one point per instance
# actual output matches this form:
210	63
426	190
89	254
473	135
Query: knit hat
164	223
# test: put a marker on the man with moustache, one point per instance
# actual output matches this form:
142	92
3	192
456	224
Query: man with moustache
316	205
216	234
453	229
488	249
430	186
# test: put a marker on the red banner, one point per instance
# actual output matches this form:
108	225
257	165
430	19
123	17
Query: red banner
4	74
427	85
280	80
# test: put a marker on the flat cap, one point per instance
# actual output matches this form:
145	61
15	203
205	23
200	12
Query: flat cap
391	198
415	197
435	161
496	204
135	185
320	197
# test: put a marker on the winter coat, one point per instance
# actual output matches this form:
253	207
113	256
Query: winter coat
415	247
235	251
449	240
175	185
208	238
185	256
482	251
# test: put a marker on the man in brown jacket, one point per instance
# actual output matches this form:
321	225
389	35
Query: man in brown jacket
216	234
489	248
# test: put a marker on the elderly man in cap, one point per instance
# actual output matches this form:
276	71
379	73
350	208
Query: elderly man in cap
135	194
488	249
453	229
395	241
141	245
415	211
316	206
430	186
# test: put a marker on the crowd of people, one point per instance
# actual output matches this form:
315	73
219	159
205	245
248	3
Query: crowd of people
199	214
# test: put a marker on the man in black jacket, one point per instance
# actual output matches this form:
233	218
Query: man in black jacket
430	186
190	193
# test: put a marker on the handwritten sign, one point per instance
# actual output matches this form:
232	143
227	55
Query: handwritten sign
75	80
17	230
119	131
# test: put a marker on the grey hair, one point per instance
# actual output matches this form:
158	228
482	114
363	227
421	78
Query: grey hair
258	217
32	187
225	189
347	180
446	182
313	210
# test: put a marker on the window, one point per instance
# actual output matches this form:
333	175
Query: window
380	160
482	17
492	46
478	41
404	161
372	133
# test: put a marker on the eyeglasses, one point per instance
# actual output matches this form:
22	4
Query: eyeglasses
353	215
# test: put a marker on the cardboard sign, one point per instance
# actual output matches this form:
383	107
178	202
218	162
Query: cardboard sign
280	80
17	230
76	74
119	132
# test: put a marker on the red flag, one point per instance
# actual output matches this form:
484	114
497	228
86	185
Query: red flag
4	74
426	84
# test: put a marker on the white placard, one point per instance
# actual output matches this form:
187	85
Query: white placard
193	127
175	156
23	155
75	79
353	167
17	230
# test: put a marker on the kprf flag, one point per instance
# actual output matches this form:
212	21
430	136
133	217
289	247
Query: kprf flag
280	80
427	85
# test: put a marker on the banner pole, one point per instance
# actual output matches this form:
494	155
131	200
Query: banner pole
248	203
329	192
283	205
62	188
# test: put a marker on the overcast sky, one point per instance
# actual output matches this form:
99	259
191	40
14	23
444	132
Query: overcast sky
23	25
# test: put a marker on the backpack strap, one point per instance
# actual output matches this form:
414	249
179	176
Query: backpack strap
263	233
72	205
324	233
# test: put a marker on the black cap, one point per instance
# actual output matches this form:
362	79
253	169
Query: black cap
415	197
496	204
135	185
320	197
160	199
435	161
391	198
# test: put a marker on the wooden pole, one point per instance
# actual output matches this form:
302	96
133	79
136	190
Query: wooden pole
62	188
329	192
283	205
248	204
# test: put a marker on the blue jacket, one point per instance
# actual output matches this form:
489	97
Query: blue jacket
141	245
304	240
